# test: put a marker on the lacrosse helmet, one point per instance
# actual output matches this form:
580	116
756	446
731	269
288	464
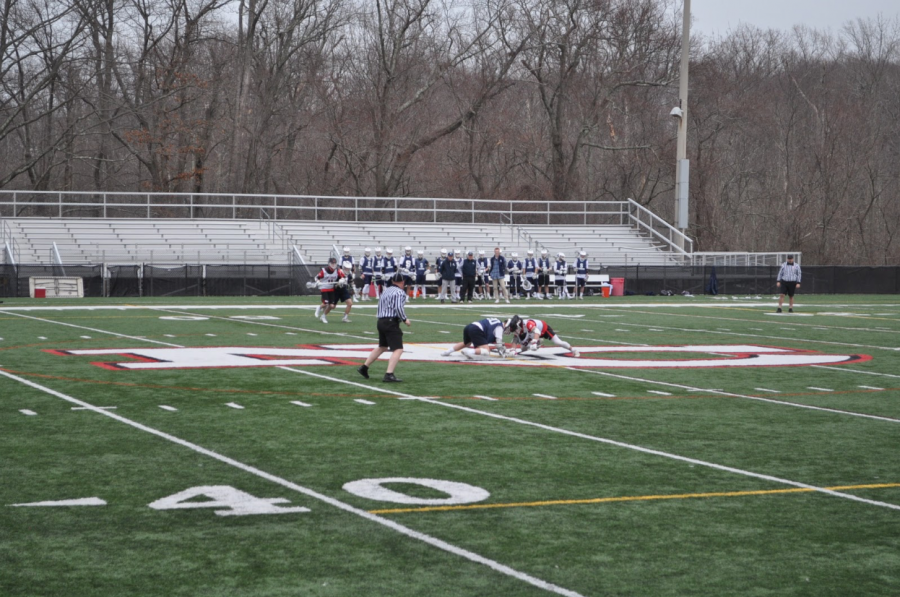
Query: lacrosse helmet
481	252
512	324
582	253
408	250
389	251
530	325
562	255
420	253
368	251
543	252
346	250
378	251
530	253
443	252
514	255
332	263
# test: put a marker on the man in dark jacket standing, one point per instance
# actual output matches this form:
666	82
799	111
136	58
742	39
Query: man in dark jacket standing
469	271
448	277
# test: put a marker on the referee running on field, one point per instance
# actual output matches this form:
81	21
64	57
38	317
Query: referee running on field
390	336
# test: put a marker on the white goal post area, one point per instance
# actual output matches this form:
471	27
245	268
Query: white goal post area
56	287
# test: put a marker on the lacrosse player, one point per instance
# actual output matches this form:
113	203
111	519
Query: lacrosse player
408	267
349	268
378	267
480	337
530	269
514	266
560	271
543	271
482	281
581	271
367	267
437	268
390	267
421	265
333	284
530	332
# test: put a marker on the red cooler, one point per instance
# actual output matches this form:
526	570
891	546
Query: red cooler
618	286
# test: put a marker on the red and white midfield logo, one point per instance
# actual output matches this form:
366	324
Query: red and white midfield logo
606	357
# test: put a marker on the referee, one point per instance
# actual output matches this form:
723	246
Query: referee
788	281
390	336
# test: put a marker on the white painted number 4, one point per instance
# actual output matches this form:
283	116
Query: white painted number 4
230	501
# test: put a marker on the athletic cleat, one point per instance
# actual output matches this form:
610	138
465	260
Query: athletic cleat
497	302
790	310
507	301
469	353
346	319
576	354
778	310
390	377
364	371
323	320
447	353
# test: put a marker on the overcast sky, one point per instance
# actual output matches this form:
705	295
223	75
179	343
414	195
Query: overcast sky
718	16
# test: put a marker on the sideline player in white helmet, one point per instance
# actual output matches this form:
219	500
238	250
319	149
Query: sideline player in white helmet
543	271
530	269
581	273
482	282
367	268
421	269
514	266
348	267
379	272
560	271
407	266
437	266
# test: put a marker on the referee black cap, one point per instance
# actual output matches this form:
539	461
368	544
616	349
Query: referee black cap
398	277
790	256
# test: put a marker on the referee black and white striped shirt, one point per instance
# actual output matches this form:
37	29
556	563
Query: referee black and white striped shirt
391	303
789	272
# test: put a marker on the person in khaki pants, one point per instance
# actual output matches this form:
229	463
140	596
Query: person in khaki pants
497	271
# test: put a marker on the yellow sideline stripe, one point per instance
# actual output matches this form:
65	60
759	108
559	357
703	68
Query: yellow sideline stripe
639	498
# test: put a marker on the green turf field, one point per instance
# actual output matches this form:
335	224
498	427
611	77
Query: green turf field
755	454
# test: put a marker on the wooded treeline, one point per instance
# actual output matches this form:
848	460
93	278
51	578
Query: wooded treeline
794	137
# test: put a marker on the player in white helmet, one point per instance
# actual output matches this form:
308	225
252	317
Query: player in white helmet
515	267
390	266
421	268
458	255
560	270
408	269
544	267
530	269
482	282
531	332
367	268
581	274
379	272
437	268
349	268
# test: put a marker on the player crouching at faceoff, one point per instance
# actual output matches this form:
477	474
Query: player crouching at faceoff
530	332
481	337
333	284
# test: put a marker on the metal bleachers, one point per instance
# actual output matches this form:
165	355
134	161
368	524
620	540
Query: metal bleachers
174	241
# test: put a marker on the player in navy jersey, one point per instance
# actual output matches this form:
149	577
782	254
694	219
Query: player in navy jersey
560	270
482	282
367	269
421	269
544	269
514	266
581	273
479	338
379	272
349	268
390	267
530	269
437	267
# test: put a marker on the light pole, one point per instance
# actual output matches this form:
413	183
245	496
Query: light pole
682	168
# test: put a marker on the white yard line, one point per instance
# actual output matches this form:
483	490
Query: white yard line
845	370
366	402
547	396
171	409
732	395
484	398
433	541
619	444
872	388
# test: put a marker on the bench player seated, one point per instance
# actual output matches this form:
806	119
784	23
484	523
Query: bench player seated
530	333
480	338
333	284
